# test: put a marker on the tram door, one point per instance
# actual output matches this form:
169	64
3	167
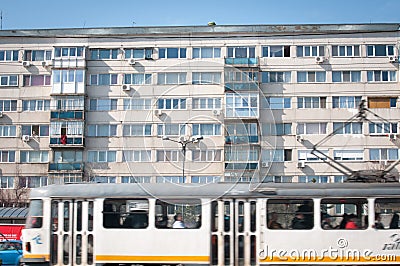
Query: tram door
71	232
233	232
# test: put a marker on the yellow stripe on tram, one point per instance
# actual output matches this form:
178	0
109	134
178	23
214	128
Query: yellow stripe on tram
373	258
37	256
153	258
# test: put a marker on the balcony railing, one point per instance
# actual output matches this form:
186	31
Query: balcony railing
246	86
241	61
67	141
66	166
66	114
241	139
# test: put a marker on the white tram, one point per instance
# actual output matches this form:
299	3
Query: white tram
224	224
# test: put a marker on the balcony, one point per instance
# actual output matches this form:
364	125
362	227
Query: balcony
241	165
67	115
241	139
246	86
242	62
74	141
66	166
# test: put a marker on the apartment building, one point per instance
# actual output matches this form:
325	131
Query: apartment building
197	104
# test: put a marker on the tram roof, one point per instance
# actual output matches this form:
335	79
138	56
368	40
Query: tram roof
168	190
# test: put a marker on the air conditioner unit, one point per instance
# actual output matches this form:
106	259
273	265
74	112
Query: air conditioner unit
1	114
131	61
26	138
264	164
392	137
47	63
300	138
216	112
26	63
319	59
392	59
301	164
126	87
158	112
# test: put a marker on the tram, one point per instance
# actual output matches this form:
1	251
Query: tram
224	224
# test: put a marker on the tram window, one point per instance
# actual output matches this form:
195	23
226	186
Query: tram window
35	214
182	213
387	212
126	213
344	213
290	214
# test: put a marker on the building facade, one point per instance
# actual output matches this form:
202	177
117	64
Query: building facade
248	103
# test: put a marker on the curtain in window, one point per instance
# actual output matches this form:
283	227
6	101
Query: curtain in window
75	128
55	128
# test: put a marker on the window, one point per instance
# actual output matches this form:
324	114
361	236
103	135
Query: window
135	179
68	128
102	130
237	76
340	178
7	182
346	76
207	129
294	214
37	55
126	213
7	156
171	129
35	130
380	50
313	179
278	129
240	133
67	156
206	52
169	156
241	52
205	179
276	155
311	76
137	104
206	77
9	55
276	77
311	102
171	78
103	179
35	105
32	181
306	155
178	214
276	103
37	80
103	54
171	52
383	154
347	128
241	154
311	128
307	51
68	52
9	80
137	79
68	76
206	155
387	214
171	179
103	104
206	103
346	50
34	156
334	212
8	131
346	101
139	53
136	156
381	76
241	105
171	104
102	156
277	179
8	105
348	155
382	102
276	51
68	103
104	79
136	130
382	128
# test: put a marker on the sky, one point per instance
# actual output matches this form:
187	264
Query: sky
46	14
